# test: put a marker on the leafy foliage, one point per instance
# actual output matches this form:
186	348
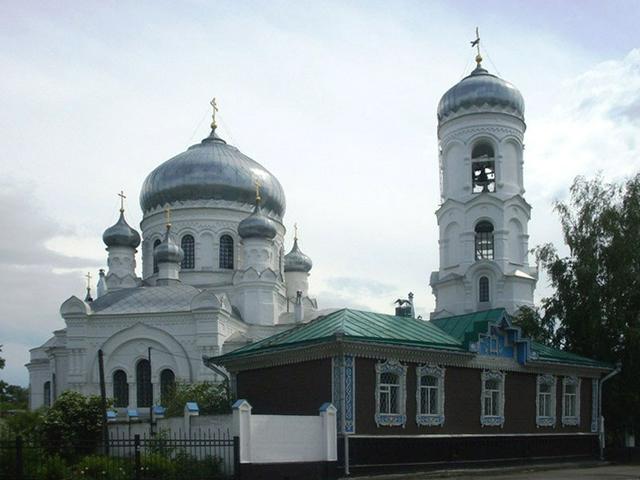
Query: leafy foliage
73	424
212	398
596	303
2	360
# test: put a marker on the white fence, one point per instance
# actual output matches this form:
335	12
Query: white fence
285	438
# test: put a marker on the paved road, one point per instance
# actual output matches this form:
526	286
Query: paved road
606	472
609	472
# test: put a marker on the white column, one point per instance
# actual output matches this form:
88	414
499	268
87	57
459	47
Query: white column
329	432
242	428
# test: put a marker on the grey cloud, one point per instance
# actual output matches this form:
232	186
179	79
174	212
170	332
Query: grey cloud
30	293
30	230
629	111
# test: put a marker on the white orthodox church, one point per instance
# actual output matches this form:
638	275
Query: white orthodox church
215	276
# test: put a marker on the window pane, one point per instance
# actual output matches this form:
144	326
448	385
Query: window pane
155	262
570	389
483	289
167	384
143	383
484	241
393	400
226	252
188	247
120	389
545	388
491	385
433	401
429	381
389	378
494	402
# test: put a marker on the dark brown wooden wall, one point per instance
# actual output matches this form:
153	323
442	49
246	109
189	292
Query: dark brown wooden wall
296	389
462	404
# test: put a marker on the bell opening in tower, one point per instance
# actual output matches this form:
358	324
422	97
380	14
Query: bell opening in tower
483	169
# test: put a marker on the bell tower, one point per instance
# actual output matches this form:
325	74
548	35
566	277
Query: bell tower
483	216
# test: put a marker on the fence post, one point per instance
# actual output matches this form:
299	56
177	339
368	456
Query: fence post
236	458
19	464
136	446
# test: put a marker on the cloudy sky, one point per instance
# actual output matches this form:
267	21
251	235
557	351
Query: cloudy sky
337	99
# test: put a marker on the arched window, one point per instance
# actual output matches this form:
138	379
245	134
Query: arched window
46	392
483	289
155	262
391	393
189	248
484	241
226	252
430	395
120	389
483	168
143	383
167	384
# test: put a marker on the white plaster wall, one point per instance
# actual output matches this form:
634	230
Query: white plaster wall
206	221
286	438
455	285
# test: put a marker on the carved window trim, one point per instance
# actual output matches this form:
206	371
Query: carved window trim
430	419
546	420
392	419
492	420
571	420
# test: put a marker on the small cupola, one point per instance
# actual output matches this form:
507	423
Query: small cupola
257	225
121	234
296	261
168	251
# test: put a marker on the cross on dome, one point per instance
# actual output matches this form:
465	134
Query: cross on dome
214	105
476	43
122	197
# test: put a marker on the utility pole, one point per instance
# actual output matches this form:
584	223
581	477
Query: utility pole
151	432
103	401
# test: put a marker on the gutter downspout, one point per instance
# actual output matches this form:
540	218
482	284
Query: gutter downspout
208	363
600	417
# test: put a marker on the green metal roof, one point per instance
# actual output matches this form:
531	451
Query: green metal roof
465	328
356	325
553	355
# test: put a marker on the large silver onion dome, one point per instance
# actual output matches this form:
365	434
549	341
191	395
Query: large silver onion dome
480	89
121	234
211	170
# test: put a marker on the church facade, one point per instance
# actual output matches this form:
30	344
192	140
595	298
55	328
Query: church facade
214	277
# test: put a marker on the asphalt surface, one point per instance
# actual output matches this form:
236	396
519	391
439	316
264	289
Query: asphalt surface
610	472
573	472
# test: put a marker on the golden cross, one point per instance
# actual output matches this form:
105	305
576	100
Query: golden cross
122	197
476	43
214	105
88	277
295	231
258	185
167	216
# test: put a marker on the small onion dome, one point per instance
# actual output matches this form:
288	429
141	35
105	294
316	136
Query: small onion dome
121	234
257	225
296	261
168	251
480	89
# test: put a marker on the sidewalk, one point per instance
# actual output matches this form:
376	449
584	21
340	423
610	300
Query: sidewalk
550	471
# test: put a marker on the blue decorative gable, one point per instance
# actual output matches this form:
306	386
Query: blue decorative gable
502	339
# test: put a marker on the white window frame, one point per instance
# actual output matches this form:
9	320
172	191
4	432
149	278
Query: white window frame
425	418
398	418
492	420
546	420
571	420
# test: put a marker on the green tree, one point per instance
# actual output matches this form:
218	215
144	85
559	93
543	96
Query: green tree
536	325
2	361
212	398
73	424
596	301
